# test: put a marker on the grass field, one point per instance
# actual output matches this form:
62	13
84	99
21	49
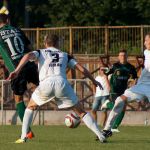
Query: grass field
63	138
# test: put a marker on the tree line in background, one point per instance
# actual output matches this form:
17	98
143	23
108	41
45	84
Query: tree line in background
55	13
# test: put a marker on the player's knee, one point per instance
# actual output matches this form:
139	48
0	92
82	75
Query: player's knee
32	107
119	103
18	98
123	97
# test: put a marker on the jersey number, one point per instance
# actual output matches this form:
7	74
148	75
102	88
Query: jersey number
55	57
18	45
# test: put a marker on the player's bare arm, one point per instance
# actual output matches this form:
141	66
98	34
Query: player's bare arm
24	60
87	74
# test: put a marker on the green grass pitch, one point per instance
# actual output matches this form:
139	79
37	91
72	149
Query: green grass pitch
81	138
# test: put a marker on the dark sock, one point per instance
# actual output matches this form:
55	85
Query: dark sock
21	109
118	120
110	105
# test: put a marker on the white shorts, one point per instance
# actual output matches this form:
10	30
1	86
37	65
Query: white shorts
138	92
55	87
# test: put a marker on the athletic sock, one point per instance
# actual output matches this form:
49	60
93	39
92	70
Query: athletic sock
21	109
91	124
118	120
117	109
27	120
110	105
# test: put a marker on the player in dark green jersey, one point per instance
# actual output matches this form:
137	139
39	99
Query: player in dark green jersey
13	45
121	72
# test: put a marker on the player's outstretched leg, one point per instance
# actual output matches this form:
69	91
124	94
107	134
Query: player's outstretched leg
117	109
89	122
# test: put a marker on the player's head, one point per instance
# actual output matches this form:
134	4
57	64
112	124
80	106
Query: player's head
4	19
122	56
51	40
147	41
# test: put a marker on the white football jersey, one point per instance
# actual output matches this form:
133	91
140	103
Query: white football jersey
53	62
145	75
147	60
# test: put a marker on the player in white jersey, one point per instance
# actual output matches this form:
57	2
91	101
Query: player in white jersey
137	92
52	64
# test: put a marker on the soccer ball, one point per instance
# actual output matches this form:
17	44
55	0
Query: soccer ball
72	120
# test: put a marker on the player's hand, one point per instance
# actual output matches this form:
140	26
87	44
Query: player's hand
12	75
96	83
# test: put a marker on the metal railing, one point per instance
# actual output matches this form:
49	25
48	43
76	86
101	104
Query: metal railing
103	40
82	87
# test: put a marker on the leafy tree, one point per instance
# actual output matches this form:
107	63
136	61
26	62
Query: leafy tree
47	13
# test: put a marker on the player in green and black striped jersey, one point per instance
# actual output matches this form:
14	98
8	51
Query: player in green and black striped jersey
13	45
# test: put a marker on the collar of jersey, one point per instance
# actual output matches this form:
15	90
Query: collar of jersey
52	48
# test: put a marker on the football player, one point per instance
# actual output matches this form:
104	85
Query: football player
52	63
136	92
13	46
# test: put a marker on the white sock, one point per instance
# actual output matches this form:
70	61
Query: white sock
91	124
117	109
27	120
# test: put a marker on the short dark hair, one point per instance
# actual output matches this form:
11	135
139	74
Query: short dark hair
51	39
3	18
123	51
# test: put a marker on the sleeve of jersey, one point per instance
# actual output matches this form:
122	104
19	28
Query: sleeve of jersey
71	62
37	55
